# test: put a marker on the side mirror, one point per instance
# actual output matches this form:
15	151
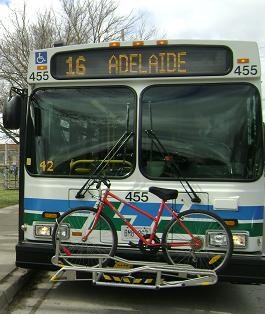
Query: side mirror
12	112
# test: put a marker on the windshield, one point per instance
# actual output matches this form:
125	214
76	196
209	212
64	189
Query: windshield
207	131
198	132
71	130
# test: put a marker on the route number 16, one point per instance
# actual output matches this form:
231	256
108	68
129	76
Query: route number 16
76	66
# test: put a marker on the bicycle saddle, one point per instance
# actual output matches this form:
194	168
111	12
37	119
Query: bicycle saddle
164	194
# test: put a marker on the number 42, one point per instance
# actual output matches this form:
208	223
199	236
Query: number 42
47	166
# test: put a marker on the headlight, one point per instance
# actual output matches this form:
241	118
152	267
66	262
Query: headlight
64	232
240	240
43	230
217	239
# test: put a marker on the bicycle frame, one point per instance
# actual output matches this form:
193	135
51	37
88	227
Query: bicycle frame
149	241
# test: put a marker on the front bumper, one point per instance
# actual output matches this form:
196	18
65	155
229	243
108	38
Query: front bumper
247	269
244	269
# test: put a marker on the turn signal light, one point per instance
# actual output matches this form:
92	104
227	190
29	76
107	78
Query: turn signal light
114	44
162	42
231	222
243	60
50	215
138	43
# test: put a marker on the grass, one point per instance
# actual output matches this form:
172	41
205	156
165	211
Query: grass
8	197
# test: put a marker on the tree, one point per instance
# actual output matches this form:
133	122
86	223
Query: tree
79	21
14	50
144	29
94	21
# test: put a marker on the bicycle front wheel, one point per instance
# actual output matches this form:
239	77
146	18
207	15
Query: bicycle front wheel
200	239
79	241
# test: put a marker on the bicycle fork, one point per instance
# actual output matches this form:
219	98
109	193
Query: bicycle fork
93	223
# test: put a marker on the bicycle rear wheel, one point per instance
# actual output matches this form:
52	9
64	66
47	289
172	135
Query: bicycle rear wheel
75	250
200	239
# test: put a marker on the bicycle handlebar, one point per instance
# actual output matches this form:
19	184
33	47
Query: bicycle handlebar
106	182
98	182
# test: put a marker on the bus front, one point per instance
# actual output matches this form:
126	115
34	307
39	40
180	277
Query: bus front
194	104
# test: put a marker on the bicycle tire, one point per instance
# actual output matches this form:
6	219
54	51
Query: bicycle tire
210	251
72	250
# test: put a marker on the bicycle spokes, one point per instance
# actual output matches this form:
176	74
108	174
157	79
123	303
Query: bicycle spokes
201	239
87	238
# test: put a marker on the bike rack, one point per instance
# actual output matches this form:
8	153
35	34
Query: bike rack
134	274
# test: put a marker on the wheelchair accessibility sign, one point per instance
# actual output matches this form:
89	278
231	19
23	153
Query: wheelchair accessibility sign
40	57
40	70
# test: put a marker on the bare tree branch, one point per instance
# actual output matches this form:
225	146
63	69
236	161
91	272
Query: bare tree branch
78	22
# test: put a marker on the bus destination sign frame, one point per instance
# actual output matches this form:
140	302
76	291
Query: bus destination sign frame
144	61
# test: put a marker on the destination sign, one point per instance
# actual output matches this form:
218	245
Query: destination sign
145	61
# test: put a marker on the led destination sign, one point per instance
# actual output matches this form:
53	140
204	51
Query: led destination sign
142	62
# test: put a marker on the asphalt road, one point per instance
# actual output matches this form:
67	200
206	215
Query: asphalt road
43	296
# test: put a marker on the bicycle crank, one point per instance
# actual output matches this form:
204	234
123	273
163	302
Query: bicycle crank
149	249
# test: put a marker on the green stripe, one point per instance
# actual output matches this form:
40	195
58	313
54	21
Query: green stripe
254	229
29	218
77	222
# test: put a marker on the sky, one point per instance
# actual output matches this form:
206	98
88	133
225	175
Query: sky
189	19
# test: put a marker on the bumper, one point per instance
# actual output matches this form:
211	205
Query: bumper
34	256
242	269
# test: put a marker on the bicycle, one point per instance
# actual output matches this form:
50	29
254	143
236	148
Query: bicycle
195	237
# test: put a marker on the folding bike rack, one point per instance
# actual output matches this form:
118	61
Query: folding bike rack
134	274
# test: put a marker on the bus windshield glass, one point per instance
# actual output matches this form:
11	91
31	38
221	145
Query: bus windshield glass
206	132
71	130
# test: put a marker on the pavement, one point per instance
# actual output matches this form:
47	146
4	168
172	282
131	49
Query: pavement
12	278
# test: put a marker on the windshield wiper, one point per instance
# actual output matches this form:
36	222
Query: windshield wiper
104	163
162	150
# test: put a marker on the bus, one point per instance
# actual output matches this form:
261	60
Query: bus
195	102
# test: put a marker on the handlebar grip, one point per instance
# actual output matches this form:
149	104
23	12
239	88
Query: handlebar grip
79	195
104	181
107	183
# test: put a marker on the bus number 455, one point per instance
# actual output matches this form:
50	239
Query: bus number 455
246	70
39	76
137	197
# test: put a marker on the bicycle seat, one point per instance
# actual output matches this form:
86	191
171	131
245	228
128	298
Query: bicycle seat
164	194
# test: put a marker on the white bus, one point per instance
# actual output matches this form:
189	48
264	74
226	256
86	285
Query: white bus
201	100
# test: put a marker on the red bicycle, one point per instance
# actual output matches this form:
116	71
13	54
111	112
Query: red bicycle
195	237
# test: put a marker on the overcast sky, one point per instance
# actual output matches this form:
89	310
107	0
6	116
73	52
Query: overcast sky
189	19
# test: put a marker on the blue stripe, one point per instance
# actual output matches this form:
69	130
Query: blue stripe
51	205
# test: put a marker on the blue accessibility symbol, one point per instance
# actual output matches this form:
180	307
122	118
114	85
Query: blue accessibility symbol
41	57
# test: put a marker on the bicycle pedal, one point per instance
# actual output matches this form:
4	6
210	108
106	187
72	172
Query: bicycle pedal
134	245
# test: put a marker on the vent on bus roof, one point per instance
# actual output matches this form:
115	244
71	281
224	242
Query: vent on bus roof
58	43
